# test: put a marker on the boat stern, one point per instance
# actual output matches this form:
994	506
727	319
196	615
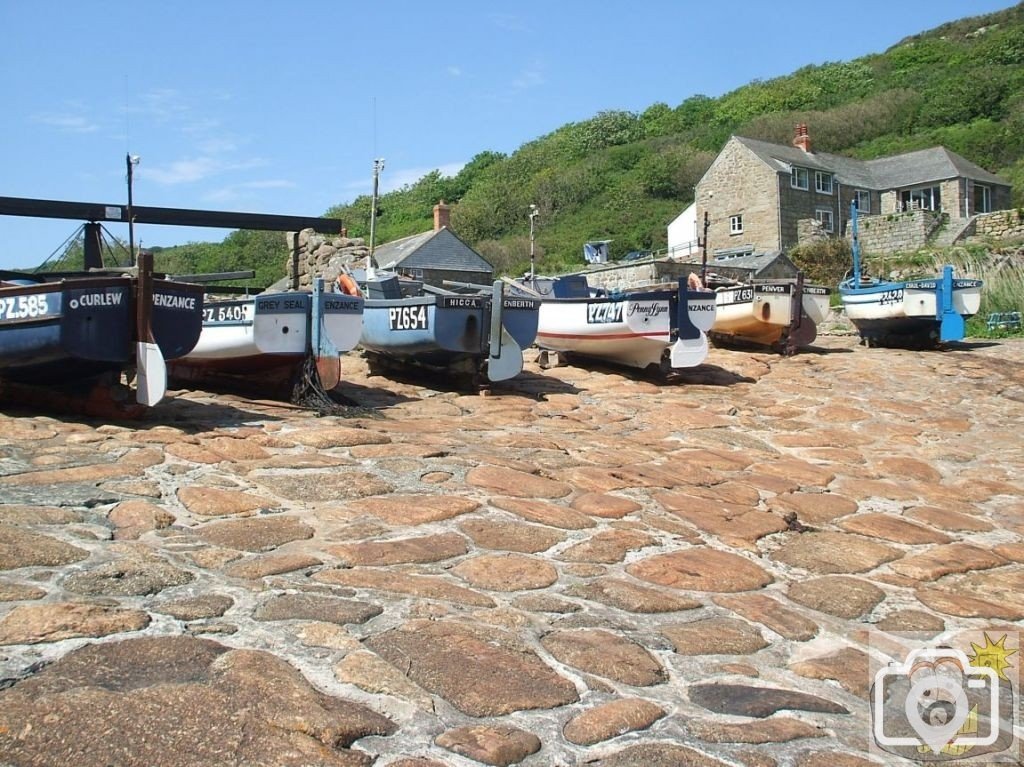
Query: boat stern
504	354
279	323
340	318
816	302
695	315
520	316
177	317
95	323
773	303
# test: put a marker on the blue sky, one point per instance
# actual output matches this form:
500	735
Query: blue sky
281	107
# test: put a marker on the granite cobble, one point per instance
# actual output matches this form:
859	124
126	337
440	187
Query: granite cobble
584	567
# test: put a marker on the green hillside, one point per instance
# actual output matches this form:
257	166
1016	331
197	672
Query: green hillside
623	176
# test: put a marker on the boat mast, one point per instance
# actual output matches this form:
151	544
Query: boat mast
704	251
533	214
131	161
856	242
378	166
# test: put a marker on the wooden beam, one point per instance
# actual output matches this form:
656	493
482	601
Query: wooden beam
92	212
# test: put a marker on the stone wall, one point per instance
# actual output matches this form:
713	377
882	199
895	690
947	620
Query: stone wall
322	256
896	232
809	231
668	271
999	225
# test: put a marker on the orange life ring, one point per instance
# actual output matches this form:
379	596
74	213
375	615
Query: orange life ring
348	285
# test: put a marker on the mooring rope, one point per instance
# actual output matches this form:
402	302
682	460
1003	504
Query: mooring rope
309	392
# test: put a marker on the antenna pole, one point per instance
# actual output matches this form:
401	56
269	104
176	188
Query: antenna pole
378	166
130	162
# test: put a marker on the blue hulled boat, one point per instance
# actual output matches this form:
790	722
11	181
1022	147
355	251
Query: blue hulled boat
470	334
915	313
76	328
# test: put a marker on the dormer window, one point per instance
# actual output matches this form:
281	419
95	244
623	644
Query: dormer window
798	178
823	182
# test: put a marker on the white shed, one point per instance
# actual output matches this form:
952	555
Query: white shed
682	233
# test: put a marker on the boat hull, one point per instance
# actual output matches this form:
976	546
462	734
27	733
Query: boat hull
911	313
456	333
633	332
78	328
635	329
779	314
59	332
262	342
418	331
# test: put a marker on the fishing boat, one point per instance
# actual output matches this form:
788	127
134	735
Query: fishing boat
662	327
916	313
479	334
262	342
71	328
780	314
84	329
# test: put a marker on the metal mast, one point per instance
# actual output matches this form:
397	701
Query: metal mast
378	166
130	162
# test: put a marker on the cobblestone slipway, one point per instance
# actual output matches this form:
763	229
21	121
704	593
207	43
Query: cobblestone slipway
579	568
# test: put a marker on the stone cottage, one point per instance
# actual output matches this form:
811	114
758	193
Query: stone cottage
756	192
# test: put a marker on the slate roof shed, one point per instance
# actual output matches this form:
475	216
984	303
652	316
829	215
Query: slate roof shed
435	256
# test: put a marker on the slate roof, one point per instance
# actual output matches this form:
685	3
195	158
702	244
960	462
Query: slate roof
755	262
751	263
909	169
441	249
935	164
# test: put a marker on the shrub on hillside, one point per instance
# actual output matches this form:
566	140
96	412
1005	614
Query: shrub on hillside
825	262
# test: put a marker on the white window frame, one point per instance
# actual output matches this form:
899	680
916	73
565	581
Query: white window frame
863	201
795	175
820	176
736	224
821	214
982	194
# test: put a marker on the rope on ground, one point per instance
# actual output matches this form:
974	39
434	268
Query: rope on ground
309	392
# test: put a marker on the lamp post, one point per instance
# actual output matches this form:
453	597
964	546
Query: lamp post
131	161
378	166
533	215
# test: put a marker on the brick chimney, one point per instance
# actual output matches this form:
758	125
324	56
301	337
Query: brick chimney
802	139
441	212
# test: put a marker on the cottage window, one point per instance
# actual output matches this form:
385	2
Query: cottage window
863	201
736	224
798	178
925	198
824	216
823	182
982	199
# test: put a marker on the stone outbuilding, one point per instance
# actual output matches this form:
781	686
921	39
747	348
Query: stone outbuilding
435	256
